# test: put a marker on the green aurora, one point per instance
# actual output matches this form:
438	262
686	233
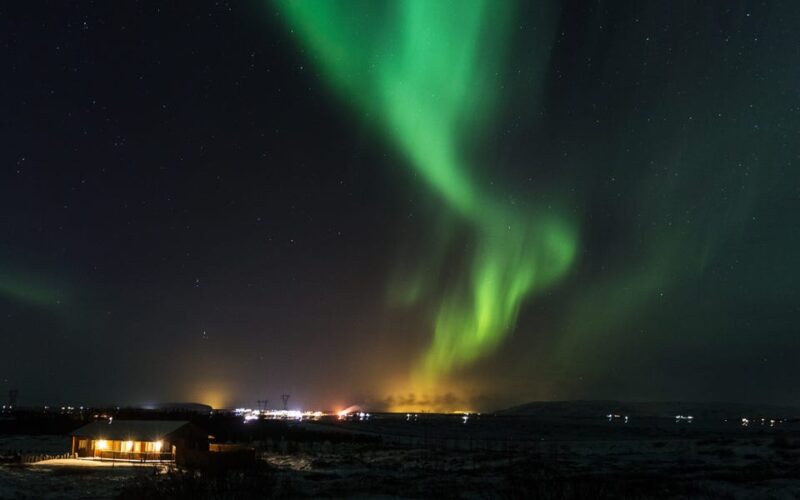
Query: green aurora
427	205
26	289
425	72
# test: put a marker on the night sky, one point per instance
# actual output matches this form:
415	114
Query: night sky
420	204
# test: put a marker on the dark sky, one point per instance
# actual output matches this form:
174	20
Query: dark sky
197	206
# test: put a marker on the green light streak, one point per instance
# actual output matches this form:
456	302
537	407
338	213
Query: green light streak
424	71
26	289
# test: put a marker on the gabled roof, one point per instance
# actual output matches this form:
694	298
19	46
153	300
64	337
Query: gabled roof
130	430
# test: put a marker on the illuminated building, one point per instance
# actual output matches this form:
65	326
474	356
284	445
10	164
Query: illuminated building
138	440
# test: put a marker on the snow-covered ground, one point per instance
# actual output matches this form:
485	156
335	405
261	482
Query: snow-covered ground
87	464
619	463
60	479
60	482
742	469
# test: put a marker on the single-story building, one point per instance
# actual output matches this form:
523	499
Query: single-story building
139	440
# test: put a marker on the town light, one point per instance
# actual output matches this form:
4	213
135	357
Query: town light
157	445
127	446
102	444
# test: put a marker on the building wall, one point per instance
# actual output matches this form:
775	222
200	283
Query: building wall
123	450
188	437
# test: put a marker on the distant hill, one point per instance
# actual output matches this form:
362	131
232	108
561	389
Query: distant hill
593	409
184	407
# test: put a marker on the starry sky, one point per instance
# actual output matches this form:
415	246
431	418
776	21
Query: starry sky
422	204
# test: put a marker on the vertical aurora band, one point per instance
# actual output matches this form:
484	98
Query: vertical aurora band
425	71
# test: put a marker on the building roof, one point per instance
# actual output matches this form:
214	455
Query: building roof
130	430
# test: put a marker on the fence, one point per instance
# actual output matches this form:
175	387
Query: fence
135	456
30	458
33	458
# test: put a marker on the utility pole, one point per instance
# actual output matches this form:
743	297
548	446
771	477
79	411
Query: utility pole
12	397
262	404
285	398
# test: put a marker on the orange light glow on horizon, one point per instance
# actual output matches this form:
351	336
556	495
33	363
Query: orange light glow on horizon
418	395
215	395
347	411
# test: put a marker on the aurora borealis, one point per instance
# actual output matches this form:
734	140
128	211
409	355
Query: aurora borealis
404	204
424	71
